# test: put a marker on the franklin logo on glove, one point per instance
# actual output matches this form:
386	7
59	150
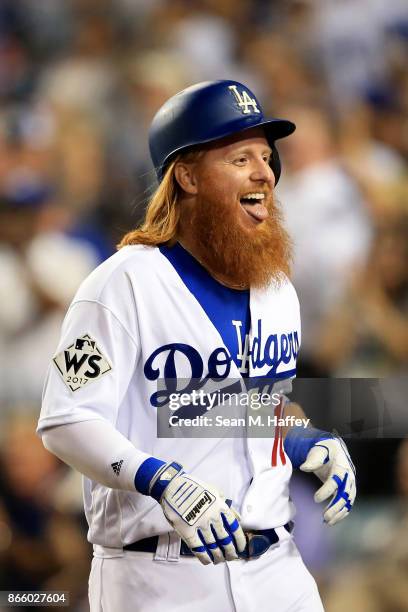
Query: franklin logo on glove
192	515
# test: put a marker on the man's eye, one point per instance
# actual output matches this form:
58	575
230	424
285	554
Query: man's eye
240	160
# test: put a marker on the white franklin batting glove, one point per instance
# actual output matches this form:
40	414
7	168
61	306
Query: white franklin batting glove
200	515
330	461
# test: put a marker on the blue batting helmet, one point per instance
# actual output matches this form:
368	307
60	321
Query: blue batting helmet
206	112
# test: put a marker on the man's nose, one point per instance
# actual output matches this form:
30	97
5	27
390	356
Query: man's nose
262	172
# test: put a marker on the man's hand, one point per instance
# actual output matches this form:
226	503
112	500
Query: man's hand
330	461
201	517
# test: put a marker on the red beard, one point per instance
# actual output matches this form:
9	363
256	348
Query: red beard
238	256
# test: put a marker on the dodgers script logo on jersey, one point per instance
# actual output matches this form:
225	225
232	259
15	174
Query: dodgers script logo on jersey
273	351
277	349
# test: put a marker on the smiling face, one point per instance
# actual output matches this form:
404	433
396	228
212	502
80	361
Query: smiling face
236	170
229	219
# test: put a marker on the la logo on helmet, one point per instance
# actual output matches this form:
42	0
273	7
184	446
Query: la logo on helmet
244	100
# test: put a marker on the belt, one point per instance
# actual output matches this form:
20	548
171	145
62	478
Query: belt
258	542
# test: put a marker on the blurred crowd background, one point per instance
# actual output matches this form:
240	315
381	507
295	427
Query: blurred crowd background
80	81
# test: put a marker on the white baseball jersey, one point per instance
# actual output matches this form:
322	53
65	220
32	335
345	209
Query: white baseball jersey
148	314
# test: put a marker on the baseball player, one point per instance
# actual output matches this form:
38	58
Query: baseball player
199	294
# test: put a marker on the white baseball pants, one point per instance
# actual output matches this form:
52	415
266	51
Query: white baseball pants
278	581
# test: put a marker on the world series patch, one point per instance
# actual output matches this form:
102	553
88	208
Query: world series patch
81	363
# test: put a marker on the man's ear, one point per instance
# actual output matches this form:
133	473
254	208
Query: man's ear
185	177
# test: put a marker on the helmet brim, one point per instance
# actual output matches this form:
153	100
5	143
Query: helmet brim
275	129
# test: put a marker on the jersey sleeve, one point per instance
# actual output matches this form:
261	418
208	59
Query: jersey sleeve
92	367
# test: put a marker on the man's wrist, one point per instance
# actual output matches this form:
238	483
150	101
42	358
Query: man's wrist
145	473
162	479
300	440
154	475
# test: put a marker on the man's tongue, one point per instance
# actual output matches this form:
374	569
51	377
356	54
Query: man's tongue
257	211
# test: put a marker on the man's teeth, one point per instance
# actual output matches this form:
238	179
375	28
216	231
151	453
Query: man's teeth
253	196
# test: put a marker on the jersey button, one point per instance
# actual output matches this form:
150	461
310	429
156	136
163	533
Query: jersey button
249	508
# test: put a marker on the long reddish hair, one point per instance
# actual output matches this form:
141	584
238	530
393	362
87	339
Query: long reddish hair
162	215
